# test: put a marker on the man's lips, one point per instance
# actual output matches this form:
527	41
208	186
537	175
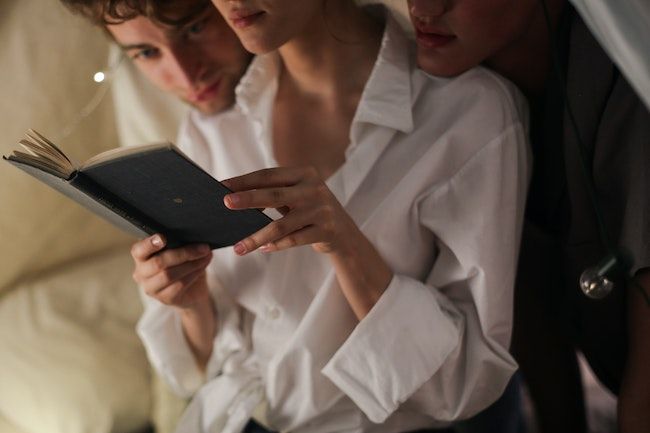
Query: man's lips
242	18
206	93
429	39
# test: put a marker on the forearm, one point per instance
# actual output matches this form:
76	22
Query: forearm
362	273
634	398
199	327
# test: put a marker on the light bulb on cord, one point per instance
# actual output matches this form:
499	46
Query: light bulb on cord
99	77
103	78
595	282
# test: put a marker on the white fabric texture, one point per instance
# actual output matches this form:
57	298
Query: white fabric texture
623	29
435	176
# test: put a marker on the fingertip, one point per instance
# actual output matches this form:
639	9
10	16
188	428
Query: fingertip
157	240
240	248
231	200
145	248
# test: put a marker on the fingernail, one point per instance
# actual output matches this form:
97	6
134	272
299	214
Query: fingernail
239	248
156	241
232	199
203	249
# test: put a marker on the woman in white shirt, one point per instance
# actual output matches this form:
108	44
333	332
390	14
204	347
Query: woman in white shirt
380	298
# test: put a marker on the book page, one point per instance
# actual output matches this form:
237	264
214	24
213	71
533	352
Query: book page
122	152
41	153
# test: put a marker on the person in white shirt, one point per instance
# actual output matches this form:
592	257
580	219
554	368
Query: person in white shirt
589	192
380	299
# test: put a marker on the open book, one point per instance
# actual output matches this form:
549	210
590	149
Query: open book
143	190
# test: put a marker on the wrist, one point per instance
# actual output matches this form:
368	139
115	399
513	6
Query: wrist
199	309
353	244
199	325
363	274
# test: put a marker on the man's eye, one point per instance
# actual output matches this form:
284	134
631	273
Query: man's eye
196	28
146	53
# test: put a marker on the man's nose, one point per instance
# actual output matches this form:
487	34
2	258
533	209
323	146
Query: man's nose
423	9
187	66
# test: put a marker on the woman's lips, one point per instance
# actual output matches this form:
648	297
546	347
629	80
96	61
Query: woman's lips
243	19
433	40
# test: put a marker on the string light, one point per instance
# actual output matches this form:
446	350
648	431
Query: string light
99	77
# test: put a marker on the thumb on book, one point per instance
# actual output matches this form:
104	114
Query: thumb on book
158	241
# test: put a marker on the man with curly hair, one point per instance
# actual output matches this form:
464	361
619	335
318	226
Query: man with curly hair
184	47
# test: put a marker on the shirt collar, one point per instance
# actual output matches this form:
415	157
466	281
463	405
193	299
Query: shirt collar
386	99
256	90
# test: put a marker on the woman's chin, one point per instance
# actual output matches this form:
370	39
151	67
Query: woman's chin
440	66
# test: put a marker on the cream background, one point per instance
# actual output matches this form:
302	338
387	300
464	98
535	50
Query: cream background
70	361
48	58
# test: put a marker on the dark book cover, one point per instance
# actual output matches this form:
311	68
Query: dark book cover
169	193
152	189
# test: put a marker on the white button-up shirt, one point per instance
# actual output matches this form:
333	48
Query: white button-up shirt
435	176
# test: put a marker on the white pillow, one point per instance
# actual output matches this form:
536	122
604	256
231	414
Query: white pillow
71	361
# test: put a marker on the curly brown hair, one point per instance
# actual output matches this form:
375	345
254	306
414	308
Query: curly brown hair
166	12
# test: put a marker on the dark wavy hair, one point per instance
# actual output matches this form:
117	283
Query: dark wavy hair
167	12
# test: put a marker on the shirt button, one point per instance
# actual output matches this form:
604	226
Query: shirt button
274	313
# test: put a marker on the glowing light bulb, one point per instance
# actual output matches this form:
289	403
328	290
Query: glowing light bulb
594	282
99	77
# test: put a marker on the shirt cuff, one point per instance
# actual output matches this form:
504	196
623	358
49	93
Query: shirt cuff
370	367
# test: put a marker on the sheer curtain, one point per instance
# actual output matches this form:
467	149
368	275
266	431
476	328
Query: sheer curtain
623	29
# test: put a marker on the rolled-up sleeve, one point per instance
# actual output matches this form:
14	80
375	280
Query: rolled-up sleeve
161	332
440	346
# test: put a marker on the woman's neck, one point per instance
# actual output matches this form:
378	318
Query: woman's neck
336	53
527	61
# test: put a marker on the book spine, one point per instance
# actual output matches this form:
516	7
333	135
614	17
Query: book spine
115	205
